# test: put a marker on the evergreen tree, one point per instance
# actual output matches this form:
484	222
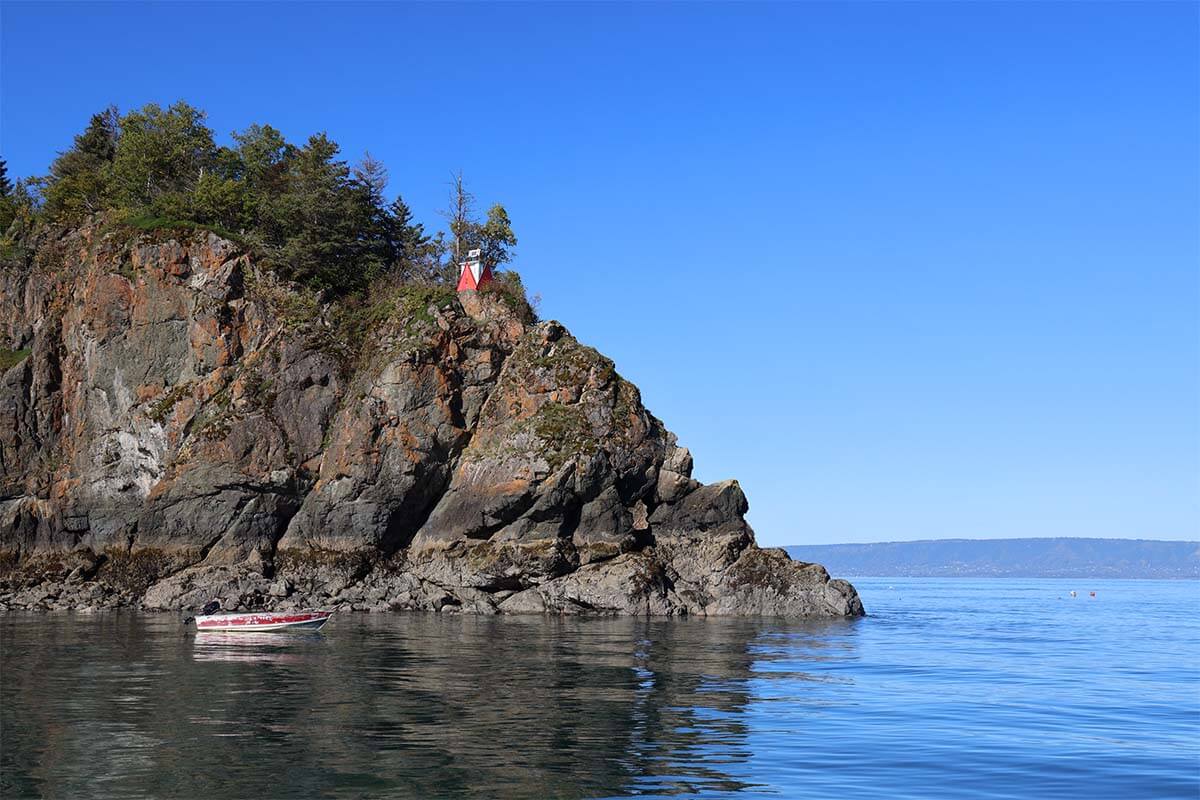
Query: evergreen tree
326	216
315	219
8	206
19	206
410	251
371	178
372	174
79	179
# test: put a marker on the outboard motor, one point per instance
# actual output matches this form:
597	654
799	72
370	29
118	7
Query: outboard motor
211	607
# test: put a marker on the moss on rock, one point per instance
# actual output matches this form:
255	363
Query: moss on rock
10	358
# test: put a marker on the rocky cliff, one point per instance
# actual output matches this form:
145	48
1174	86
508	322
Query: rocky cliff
177	425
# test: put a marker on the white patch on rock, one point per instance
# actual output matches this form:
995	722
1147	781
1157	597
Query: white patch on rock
341	489
129	461
199	279
121	394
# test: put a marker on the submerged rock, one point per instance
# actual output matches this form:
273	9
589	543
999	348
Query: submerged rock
186	426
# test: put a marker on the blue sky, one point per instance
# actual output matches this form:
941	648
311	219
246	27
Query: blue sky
906	270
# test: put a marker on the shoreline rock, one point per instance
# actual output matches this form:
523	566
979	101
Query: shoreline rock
759	582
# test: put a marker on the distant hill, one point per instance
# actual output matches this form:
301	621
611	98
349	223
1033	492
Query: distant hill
1015	558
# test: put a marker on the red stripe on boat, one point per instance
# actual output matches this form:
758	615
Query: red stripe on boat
262	619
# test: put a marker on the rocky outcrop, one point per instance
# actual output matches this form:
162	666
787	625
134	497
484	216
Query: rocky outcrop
177	425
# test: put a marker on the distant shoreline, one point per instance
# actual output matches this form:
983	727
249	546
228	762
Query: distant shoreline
1075	558
850	576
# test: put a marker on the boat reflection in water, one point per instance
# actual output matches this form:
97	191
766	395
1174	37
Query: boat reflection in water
276	648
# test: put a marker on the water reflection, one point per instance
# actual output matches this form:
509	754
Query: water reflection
122	705
250	647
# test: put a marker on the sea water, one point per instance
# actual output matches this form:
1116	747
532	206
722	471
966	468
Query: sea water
950	688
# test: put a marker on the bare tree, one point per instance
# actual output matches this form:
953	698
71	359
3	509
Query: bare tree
460	214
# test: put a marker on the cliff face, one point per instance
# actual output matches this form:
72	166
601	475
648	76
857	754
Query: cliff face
184	426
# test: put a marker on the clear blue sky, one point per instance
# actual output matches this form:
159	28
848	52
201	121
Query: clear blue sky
906	270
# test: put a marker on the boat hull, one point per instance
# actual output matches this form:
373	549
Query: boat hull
263	621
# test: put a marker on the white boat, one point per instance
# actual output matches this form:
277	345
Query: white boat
263	621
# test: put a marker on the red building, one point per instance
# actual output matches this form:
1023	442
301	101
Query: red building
473	275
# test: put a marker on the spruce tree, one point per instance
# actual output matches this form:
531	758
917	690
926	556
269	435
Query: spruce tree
409	249
327	218
79	180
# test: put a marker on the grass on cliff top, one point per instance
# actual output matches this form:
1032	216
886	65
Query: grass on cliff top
350	328
10	358
357	319
152	224
507	285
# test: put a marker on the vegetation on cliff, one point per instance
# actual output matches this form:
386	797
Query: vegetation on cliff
311	216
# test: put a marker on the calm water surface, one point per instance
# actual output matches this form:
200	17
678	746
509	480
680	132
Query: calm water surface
951	688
